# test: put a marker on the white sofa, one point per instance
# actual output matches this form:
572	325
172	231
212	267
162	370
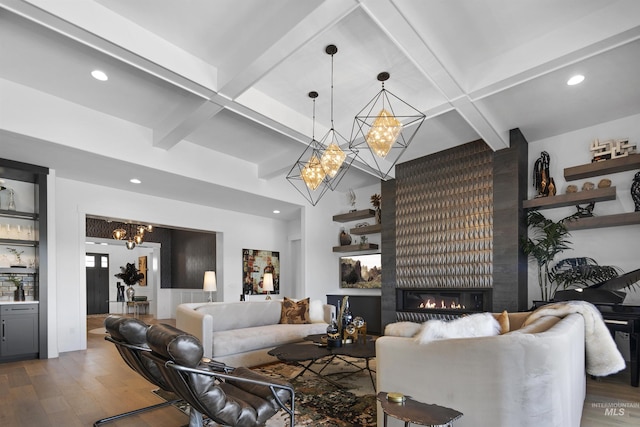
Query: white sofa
532	376
241	333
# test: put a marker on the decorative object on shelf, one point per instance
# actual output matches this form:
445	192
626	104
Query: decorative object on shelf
344	237
541	178
376	201
209	283
120	294
604	183
352	199
130	276
379	129
18	294
585	212
610	149
635	191
12	200
588	186
363	241
572	188
18	255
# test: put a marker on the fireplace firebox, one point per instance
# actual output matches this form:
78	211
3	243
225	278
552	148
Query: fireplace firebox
426	303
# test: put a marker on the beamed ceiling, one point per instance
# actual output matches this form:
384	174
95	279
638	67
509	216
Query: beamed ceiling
201	90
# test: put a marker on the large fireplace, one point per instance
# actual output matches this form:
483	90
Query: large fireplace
420	304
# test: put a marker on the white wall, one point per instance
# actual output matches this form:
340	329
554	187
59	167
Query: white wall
74	200
617	246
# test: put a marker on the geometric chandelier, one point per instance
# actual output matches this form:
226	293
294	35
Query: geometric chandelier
382	132
307	174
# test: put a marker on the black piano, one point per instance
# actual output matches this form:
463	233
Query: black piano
608	298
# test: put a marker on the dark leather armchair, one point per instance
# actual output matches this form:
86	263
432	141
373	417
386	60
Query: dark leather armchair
130	338
239	398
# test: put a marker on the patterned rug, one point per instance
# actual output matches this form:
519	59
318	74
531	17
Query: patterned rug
319	403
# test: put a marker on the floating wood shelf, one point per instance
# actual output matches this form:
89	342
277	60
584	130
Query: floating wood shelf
15	242
17	214
356	248
354	216
621	164
629	218
17	270
571	199
367	229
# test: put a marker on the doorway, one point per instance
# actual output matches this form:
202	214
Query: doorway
97	266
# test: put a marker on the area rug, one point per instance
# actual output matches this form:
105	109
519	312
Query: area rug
319	403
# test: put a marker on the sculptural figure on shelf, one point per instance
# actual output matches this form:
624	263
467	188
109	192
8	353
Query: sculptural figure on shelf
635	191
541	179
584	212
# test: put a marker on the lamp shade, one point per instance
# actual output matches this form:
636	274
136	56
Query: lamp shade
267	282
209	281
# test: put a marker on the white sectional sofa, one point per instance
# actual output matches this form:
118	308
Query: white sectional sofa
531	376
241	333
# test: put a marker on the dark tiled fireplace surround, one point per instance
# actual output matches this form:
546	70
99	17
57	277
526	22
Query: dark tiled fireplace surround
455	218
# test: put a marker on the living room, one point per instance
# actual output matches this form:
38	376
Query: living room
212	150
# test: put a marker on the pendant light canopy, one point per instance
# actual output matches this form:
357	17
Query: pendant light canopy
382	132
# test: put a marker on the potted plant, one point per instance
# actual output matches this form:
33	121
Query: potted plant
547	239
19	292
130	275
18	255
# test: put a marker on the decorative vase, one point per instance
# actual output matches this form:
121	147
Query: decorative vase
130	293
18	294
635	191
345	238
12	201
333	335
120	297
378	216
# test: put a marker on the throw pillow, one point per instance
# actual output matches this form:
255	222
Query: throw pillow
474	325
402	329
503	320
316	311
294	312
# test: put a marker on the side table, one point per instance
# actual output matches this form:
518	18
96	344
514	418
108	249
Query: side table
411	411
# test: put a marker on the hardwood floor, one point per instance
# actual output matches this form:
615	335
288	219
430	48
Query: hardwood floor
81	387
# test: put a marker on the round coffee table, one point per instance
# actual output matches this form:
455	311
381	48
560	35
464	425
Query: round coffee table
315	349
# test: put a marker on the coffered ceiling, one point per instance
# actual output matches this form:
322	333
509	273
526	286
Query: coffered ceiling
231	77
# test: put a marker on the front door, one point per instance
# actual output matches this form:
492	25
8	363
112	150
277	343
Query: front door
97	283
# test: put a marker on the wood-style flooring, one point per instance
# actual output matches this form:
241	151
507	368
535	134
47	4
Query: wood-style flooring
81	387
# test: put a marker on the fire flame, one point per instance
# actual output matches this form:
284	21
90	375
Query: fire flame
442	305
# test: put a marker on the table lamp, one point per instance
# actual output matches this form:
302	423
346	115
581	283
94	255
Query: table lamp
267	283
210	283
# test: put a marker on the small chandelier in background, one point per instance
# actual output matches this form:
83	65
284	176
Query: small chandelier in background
307	175
380	139
134	239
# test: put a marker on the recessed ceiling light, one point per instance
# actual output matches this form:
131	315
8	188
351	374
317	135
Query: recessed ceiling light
276	211
577	79
99	75
135	181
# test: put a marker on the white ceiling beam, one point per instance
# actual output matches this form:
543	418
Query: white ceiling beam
400	31
174	129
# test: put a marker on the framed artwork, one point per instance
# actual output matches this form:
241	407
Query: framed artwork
142	267
361	271
256	262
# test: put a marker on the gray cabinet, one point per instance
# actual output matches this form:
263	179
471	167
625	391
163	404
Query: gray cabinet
19	331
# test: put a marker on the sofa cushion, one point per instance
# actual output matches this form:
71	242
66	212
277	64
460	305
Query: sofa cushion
474	325
261	337
295	312
503	320
402	329
316	311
